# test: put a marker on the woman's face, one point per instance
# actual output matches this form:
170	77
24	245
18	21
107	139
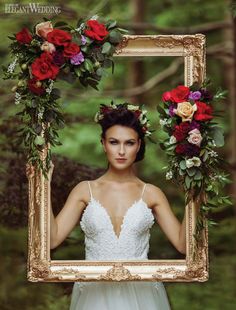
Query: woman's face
121	145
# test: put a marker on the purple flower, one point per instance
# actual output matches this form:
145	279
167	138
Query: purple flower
195	95
194	125
206	94
77	59
191	149
83	40
171	108
58	58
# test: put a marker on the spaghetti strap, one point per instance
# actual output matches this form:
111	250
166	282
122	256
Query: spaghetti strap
90	189
143	190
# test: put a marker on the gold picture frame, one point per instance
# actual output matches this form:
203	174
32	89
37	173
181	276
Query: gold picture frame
193	268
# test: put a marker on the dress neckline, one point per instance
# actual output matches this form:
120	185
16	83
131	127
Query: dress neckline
123	218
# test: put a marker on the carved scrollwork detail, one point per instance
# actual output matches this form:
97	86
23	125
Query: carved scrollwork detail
118	273
67	274
39	269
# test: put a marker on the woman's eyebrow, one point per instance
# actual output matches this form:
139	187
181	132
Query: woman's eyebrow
131	139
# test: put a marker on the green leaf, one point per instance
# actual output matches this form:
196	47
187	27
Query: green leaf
39	140
111	24
187	181
88	65
77	71
59	24
115	36
106	48
205	156
191	171
182	164
198	175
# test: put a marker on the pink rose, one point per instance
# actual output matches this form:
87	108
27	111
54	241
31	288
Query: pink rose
43	29
48	47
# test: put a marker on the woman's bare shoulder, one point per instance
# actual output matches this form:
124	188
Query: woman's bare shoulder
154	192
81	190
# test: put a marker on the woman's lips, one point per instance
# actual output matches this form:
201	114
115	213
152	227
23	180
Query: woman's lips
121	159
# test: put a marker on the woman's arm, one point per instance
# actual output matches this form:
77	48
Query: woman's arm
65	221
170	225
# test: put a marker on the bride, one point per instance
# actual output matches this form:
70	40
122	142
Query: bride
116	212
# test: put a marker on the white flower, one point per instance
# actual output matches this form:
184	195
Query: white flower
148	133
49	89
132	107
194	161
172	140
212	153
12	66
17	98
81	27
169	175
163	121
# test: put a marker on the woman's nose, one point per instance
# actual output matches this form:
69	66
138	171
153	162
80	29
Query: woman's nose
122	150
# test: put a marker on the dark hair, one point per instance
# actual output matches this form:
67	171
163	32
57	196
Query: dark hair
124	117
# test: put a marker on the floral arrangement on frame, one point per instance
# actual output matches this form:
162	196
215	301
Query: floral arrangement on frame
187	116
46	54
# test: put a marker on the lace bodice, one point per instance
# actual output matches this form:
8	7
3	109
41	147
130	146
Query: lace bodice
101	241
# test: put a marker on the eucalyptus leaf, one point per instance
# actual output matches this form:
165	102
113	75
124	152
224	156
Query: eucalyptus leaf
191	171
182	164
115	36
111	24
198	175
106	48
187	181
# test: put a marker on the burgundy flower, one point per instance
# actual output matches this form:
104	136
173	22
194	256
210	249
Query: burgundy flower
187	149
58	58
36	87
181	131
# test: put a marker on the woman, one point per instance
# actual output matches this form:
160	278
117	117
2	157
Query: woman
116	212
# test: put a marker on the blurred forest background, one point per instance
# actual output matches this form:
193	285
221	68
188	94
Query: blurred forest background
81	156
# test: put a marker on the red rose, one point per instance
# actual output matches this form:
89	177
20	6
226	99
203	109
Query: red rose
35	87
137	113
59	37
97	31
180	93
105	110
203	112
24	36
166	96
180	149
43	67
181	131
71	50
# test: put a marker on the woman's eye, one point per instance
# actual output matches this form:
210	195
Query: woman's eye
130	143
113	142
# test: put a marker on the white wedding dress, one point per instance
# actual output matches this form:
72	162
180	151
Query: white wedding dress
102	243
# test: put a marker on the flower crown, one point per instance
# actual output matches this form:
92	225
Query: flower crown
137	110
